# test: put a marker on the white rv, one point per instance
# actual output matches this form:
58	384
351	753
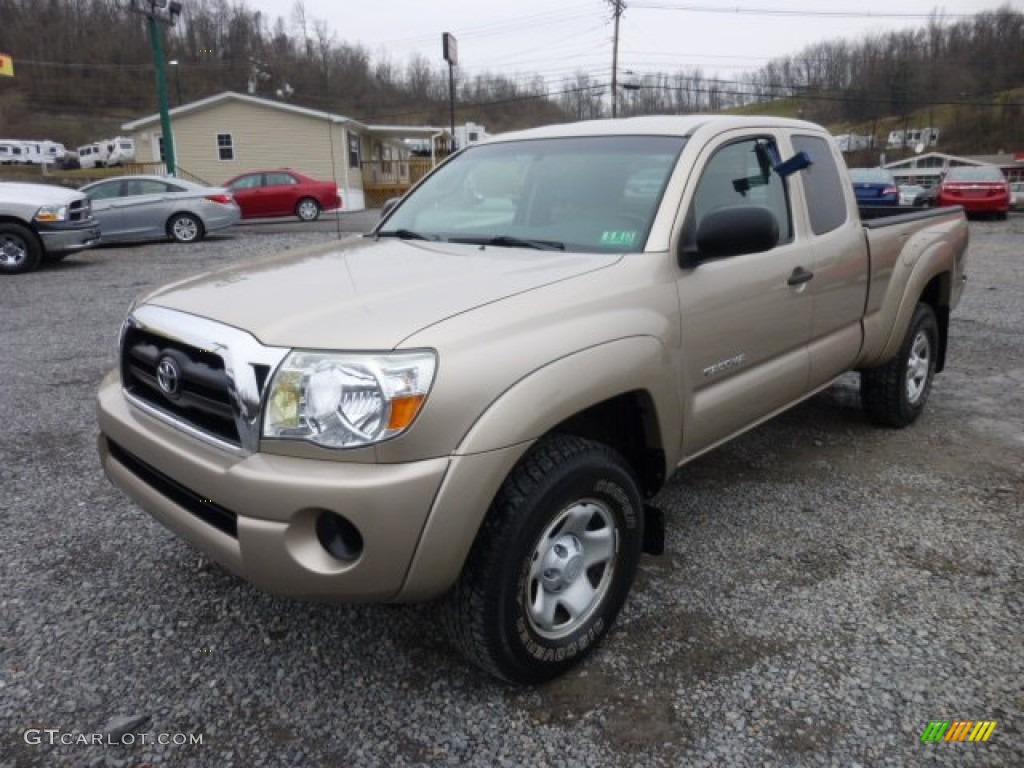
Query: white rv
120	150
92	156
11	152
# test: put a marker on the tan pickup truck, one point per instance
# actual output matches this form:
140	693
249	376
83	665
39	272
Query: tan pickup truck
473	402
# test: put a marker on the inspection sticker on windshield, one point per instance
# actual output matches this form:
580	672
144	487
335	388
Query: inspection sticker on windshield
620	237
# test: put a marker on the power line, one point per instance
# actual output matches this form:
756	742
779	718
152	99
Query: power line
798	12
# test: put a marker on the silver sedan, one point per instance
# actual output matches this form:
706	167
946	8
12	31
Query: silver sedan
151	207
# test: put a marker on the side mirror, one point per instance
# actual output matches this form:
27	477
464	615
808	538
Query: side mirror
732	231
389	206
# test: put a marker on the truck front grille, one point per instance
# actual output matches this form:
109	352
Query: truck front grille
187	383
79	210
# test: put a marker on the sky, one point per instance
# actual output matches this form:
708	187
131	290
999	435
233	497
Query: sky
557	40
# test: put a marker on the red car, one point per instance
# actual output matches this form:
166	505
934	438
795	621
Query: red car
979	189
283	193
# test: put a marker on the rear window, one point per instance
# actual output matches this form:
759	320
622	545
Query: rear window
825	191
872	175
975	173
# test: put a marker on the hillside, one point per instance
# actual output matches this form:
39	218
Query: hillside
93	70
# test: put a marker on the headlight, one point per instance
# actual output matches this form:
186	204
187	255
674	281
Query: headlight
347	400
52	213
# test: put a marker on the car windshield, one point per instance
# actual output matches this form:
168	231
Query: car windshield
591	194
872	175
975	173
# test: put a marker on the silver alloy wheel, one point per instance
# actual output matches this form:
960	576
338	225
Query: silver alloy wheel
571	569
13	250
308	209
918	367
185	229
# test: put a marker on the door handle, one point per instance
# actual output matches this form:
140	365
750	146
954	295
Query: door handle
799	276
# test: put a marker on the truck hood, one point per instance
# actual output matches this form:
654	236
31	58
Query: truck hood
37	194
367	294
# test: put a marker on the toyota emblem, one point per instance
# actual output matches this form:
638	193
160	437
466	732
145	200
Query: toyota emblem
168	376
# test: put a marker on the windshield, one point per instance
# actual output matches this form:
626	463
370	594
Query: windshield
592	194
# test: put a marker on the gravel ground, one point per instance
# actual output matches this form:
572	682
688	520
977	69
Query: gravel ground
828	588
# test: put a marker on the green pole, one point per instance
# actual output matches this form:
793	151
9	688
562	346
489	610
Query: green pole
156	40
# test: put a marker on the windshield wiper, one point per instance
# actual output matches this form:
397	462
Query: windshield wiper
513	242
406	234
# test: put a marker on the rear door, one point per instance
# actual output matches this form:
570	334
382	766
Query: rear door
840	284
281	193
745	323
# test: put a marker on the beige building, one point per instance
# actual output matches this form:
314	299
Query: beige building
222	136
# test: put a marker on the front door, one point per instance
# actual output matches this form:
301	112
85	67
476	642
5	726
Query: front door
745	320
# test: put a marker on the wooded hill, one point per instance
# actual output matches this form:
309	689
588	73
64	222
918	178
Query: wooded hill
85	66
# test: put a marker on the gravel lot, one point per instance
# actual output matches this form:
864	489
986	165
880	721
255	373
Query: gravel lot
828	587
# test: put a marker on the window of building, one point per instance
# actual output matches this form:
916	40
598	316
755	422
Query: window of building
225	146
353	151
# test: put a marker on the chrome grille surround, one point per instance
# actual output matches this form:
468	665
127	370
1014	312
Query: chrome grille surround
240	367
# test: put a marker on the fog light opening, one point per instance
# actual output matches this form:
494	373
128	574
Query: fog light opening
339	537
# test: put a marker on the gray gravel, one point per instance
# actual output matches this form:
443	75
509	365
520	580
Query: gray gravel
828	588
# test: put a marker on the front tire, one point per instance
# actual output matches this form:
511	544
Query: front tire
184	228
895	394
308	209
20	251
552	563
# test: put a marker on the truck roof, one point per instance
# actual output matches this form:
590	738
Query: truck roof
661	125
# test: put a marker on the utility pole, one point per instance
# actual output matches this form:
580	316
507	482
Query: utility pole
161	12
618	6
450	49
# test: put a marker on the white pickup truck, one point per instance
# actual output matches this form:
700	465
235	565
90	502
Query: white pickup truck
473	402
39	222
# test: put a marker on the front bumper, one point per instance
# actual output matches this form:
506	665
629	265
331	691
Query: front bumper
271	502
69	237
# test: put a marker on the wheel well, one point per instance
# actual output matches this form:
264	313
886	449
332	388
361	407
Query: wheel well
628	424
937	295
25	224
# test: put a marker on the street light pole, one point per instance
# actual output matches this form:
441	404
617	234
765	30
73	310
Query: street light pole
159	12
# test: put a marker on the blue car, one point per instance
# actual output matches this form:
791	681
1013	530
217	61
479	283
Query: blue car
874	186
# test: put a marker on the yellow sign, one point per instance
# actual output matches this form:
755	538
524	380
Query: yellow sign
6	65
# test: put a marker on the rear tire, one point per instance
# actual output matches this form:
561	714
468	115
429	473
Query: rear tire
552	563
20	251
184	228
307	209
895	394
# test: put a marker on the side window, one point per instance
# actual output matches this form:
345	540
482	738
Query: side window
823	188
225	146
247	182
741	174
279	179
105	191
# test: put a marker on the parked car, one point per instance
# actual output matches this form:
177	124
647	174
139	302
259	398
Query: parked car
1017	195
283	193
874	186
151	207
978	188
917	196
